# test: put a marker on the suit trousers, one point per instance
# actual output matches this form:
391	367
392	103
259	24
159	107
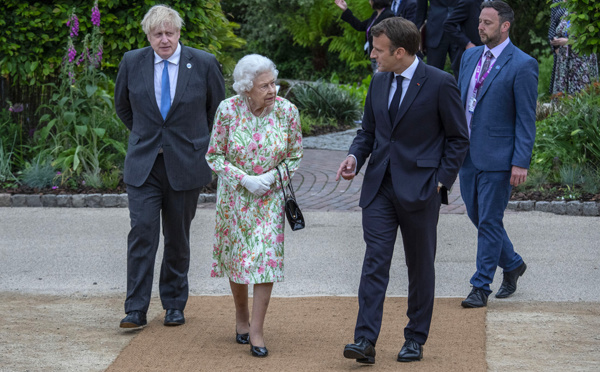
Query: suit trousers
486	196
178	210
436	55
381	220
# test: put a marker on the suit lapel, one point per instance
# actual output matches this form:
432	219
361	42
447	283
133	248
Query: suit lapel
502	59
186	66
470	65
414	87
147	68
385	97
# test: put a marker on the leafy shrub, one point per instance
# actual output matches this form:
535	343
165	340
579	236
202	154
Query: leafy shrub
323	100
571	134
40	174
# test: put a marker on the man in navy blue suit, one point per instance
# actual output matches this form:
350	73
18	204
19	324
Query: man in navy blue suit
406	9
498	84
414	136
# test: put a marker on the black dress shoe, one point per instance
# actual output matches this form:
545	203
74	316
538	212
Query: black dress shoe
477	298
242	338
363	351
412	351
258	351
134	319
509	283
174	317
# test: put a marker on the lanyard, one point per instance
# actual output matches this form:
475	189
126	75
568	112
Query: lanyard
478	80
371	25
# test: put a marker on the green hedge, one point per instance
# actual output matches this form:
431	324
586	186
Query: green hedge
34	34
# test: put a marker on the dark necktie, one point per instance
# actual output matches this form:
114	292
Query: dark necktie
165	91
486	65
396	99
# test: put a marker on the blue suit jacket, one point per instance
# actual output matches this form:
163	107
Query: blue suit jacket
503	124
426	144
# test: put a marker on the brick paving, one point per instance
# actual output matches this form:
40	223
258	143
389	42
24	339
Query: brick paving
316	188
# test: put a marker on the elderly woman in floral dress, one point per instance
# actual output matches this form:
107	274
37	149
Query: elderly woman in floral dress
254	133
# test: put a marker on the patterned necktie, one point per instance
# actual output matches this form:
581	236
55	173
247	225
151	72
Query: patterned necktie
165	95
486	65
396	99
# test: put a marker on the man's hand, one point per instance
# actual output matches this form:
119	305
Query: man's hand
518	175
347	169
470	45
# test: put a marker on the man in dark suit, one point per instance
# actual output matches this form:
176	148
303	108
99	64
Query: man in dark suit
498	84
462	27
437	43
415	137
406	9
167	95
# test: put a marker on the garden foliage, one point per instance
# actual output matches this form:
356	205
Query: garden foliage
585	24
570	136
33	33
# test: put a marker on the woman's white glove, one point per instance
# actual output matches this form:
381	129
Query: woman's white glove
267	178
257	185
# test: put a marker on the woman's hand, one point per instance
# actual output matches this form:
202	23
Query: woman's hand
558	42
342	4
256	185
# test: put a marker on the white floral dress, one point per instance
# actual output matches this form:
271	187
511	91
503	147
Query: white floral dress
249	231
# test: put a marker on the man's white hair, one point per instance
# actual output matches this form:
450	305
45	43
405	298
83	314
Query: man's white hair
247	69
160	16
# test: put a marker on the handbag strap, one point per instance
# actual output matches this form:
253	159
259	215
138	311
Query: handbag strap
281	180
291	189
289	185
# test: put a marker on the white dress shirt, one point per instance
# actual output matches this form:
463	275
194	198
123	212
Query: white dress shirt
408	75
173	73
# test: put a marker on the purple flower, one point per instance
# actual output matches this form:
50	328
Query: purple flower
96	15
75	27
17	107
54	187
72	53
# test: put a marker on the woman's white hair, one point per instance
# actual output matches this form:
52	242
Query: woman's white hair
247	69
160	16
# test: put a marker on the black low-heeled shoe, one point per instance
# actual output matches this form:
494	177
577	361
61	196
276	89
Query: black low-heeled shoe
242	338
258	351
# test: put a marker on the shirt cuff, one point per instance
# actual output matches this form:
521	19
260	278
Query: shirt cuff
355	163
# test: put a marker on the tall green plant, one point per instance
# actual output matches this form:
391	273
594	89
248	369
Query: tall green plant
81	131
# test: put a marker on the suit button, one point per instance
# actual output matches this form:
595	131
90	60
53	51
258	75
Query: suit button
393	140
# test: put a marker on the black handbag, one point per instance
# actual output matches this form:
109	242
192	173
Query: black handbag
292	210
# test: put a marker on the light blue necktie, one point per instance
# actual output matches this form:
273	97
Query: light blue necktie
165	95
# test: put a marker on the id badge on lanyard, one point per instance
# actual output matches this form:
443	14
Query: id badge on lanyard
471	105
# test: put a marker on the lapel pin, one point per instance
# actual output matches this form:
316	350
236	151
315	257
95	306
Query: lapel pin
497	67
189	65
418	84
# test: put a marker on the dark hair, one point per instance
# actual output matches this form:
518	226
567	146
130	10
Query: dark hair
401	32
505	12
380	4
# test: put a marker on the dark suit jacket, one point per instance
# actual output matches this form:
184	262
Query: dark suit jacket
435	14
462	26
503	124
359	25
463	22
185	133
425	145
408	10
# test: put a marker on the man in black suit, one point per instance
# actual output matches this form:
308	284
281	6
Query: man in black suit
462	27
406	9
166	95
415	136
437	43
